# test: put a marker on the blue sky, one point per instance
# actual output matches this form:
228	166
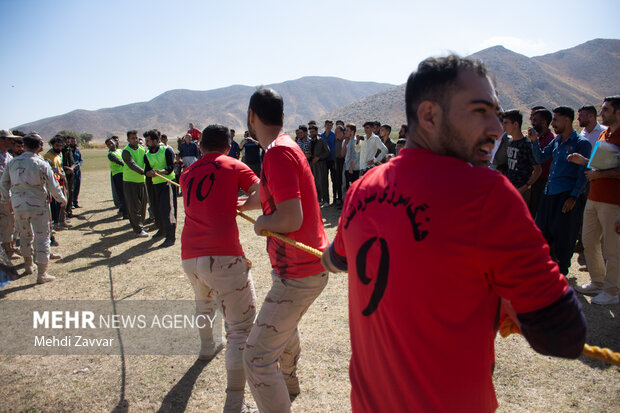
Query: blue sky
67	54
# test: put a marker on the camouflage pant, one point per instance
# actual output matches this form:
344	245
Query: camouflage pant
225	280
6	222
275	338
37	221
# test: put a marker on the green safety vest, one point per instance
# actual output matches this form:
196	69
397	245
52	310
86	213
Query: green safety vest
129	175
158	161
114	167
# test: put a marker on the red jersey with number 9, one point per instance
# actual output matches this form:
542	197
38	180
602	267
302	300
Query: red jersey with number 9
431	245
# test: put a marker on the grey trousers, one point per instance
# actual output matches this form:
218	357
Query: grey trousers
135	202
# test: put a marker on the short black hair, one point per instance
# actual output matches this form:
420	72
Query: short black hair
268	106
303	128
588	108
57	139
313	126
153	134
369	123
535	108
215	138
32	141
514	116
132	132
545	114
17	132
435	80
388	127
405	127
613	100
111	138
565	111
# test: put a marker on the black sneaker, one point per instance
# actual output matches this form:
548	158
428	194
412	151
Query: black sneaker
167	243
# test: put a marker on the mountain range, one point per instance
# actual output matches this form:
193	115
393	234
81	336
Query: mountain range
580	75
574	77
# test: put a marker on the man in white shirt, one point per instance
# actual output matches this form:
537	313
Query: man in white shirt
367	148
587	120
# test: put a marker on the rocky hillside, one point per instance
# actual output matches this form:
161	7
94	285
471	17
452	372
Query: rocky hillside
170	112
584	74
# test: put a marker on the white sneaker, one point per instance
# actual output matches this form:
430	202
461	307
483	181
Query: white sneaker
325	205
588	288
605	299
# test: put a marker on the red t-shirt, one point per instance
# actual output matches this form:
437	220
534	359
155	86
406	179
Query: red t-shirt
432	243
195	133
606	190
210	187
286	175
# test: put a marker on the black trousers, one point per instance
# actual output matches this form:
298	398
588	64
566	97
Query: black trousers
349	178
319	170
165	208
538	189
117	187
337	188
560	229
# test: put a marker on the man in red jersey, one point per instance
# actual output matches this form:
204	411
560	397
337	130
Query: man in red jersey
432	243
194	133
288	200
213	259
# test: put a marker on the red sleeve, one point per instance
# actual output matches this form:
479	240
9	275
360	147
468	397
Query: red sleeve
279	163
514	253
247	177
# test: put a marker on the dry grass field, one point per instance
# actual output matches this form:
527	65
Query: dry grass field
102	260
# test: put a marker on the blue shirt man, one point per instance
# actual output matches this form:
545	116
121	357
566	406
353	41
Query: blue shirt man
234	151
560	212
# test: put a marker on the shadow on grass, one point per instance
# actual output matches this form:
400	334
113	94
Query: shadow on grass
603	327
100	250
331	215
6	291
177	398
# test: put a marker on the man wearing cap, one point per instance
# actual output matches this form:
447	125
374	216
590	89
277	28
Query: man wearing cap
30	179
6	215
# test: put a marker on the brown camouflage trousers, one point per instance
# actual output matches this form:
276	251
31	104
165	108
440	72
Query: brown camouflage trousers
225	281
274	339
34	225
7	224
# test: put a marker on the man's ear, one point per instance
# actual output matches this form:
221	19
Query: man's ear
429	117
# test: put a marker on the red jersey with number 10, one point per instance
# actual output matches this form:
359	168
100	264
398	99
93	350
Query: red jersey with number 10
210	187
286	175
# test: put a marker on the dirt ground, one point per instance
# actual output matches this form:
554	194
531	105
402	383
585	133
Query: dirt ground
103	260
